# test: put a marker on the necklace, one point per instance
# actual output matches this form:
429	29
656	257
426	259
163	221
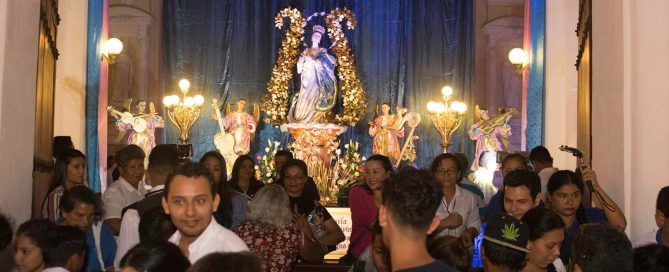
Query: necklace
443	202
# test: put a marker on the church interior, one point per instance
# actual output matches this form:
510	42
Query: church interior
335	83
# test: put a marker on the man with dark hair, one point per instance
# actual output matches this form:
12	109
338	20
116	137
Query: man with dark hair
280	158
651	257
504	244
78	208
61	143
542	162
407	215
126	190
522	192
6	236
64	249
156	226
6	233
511	162
661	235
190	198
162	163
601	247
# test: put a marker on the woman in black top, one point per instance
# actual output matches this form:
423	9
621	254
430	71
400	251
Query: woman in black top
315	221
243	177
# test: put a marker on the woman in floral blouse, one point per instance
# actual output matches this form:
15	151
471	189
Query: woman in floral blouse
270	233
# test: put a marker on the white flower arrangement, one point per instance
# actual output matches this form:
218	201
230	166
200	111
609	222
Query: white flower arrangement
348	165
265	167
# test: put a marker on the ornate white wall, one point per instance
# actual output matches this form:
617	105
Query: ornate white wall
18	62
561	80
630	91
70	93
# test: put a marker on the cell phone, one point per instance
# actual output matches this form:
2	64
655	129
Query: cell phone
579	154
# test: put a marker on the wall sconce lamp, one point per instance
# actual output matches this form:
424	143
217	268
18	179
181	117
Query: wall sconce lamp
519	58
110	49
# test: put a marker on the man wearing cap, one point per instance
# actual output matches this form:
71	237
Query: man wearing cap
504	244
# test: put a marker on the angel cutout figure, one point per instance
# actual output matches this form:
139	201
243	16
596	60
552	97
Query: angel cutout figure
386	129
142	126
318	87
487	133
241	125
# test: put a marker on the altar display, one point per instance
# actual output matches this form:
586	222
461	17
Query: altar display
399	57
308	116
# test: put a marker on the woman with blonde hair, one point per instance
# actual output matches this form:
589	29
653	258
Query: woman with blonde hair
270	233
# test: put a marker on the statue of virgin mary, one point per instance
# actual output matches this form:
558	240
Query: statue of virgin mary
318	87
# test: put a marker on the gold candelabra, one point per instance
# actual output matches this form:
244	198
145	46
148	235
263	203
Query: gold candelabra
183	112
446	119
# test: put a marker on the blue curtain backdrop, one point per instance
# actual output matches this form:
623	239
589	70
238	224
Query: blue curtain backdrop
536	89
405	52
94	33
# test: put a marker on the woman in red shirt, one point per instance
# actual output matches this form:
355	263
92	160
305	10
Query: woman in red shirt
364	200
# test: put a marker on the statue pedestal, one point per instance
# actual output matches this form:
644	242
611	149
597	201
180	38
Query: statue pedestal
315	145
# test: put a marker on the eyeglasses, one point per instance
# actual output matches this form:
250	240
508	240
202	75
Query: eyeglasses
449	172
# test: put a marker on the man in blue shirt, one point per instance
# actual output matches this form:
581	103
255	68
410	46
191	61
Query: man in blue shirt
79	208
661	235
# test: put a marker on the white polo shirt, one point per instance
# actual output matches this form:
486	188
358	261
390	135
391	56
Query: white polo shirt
464	203
119	195
649	238
545	175
215	238
128	236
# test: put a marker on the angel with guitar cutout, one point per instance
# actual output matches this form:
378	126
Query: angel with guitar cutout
386	129
487	132
241	126
141	125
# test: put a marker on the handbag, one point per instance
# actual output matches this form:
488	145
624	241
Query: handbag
348	258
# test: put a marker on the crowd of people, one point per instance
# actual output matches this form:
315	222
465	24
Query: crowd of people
196	218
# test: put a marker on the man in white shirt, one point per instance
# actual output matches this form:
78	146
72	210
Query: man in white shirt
661	235
542	163
125	190
464	203
162	163
190	199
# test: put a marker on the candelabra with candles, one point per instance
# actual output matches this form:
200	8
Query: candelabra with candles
184	111
446	119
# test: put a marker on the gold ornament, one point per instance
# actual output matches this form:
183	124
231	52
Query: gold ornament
354	98
275	103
